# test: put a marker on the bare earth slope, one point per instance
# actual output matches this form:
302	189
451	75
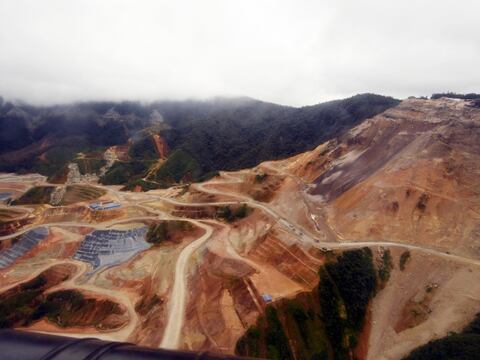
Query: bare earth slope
408	175
229	258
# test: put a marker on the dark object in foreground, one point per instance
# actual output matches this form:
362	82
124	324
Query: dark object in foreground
462	346
19	345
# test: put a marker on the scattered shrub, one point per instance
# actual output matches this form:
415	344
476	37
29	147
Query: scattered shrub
385	267
404	259
225	212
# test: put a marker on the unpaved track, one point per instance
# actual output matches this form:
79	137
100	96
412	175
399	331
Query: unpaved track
179	294
120	334
304	236
99	226
176	304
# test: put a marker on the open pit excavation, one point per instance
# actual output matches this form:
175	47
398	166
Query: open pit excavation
360	248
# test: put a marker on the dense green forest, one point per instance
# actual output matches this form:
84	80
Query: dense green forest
470	96
235	135
322	324
164	231
462	346
203	136
27	303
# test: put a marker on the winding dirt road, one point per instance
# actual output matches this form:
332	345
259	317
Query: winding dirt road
176	304
179	293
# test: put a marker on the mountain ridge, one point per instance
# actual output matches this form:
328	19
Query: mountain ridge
220	134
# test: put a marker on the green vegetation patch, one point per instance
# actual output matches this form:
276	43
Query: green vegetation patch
209	175
147	302
143	148
56	159
270	341
122	172
17	310
422	202
145	185
165	231
64	308
463	346
59	177
180	166
68	308
18	304
303	320
58	307
35	195
345	290
354	277
404	259
27	303
232	215
276	340
77	193
386	267
90	165
322	324
259	178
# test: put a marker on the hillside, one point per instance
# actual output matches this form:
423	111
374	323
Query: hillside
221	134
408	177
365	247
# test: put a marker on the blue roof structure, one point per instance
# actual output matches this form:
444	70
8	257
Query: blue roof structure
26	242
104	206
267	298
5	195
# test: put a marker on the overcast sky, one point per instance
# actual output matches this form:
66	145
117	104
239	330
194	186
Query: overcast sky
290	52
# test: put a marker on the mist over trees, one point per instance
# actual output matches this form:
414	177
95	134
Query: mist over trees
469	96
219	134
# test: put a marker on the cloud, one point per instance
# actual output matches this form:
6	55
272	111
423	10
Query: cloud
290	52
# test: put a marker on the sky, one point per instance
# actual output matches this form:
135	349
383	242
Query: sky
295	52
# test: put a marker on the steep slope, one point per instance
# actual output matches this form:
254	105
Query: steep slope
241	134
408	175
364	248
403	183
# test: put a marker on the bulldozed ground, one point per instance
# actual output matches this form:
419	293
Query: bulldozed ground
224	264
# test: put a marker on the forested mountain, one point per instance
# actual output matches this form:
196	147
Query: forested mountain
218	134
239	134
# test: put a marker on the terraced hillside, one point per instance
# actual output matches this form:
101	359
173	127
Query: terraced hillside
81	193
365	247
36	195
20	247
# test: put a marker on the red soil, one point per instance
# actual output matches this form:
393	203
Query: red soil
161	146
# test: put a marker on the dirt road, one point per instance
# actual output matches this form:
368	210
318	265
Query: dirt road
176	304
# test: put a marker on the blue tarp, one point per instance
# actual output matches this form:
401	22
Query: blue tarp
107	206
267	298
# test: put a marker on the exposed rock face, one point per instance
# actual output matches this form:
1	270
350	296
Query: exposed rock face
161	146
409	175
404	184
57	195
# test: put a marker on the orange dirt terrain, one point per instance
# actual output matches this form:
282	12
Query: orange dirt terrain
408	175
383	222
